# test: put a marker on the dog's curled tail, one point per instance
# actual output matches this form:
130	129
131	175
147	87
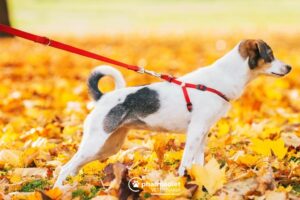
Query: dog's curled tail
98	73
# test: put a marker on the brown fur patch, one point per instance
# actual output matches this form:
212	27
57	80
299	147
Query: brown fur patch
247	48
258	52
262	64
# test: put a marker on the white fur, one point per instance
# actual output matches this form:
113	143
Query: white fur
230	74
277	68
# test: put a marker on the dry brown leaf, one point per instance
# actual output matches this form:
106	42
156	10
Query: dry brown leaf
30	172
106	197
272	195
291	139
11	157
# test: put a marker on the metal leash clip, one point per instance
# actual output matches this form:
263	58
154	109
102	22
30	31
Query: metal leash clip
141	70
152	73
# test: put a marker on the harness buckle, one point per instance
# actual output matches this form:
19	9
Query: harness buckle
189	107
201	87
170	78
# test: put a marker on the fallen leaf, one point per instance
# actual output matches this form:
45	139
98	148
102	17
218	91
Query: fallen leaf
210	176
266	147
261	147
291	139
105	197
278	148
54	193
248	160
272	195
11	157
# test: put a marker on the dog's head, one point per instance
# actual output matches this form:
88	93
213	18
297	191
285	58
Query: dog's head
261	59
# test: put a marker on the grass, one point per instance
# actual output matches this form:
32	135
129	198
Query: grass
86	16
35	184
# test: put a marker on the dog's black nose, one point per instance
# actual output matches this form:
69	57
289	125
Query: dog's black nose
289	68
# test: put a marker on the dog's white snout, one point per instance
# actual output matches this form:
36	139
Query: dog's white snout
284	68
278	68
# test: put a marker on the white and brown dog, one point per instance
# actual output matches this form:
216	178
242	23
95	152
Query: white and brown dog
161	106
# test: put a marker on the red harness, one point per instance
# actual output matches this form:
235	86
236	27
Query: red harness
65	47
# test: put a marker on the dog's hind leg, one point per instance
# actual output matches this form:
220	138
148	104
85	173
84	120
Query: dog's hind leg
93	146
87	152
113	144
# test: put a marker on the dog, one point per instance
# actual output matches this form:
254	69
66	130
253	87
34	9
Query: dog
162	107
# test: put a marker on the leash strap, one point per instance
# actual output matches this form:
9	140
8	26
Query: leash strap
48	42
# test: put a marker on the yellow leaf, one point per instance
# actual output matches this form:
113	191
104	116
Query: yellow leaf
210	176
54	193
9	137
248	160
224	128
278	148
284	189
266	147
172	156
261	147
93	167
29	155
26	196
15	178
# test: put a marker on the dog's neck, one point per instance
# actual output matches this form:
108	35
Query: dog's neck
234	73
230	75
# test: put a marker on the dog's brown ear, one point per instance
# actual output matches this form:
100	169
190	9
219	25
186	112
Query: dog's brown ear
265	51
255	50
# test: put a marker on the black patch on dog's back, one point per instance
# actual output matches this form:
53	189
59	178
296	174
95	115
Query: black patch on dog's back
114	118
136	105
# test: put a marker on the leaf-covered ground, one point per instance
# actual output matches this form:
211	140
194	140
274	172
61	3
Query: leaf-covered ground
251	154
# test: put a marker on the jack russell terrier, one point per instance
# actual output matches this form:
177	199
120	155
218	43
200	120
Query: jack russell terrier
161	106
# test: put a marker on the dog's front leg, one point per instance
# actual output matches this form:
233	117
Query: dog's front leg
195	136
199	157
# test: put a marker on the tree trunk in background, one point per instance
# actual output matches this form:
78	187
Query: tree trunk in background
4	18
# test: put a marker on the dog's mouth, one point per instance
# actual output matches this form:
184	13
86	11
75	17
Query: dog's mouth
276	74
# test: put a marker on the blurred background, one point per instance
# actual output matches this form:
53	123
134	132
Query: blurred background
170	36
81	17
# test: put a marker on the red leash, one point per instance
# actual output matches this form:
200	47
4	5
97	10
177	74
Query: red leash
48	42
